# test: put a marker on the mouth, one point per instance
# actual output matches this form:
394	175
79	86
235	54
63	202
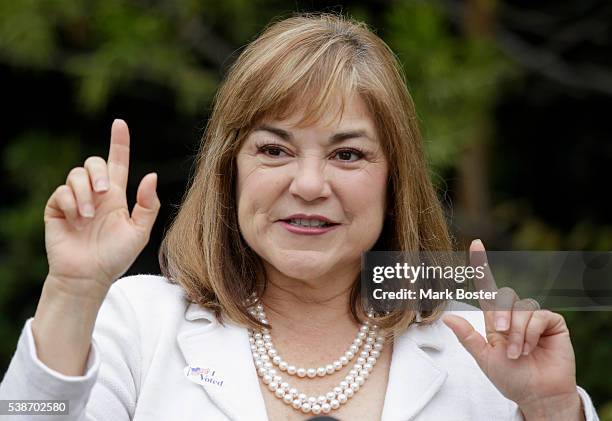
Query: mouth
308	223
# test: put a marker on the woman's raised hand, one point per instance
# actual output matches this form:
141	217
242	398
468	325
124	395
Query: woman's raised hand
527	353
91	240
90	237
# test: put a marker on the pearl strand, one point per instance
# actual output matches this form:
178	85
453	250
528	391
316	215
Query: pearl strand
277	360
333	399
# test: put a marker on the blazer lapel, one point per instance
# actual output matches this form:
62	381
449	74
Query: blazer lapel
414	378
224	350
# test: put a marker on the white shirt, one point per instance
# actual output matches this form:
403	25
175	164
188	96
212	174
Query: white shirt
146	334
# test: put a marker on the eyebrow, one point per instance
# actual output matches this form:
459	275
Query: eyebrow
336	138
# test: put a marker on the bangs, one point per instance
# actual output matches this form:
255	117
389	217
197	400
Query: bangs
317	88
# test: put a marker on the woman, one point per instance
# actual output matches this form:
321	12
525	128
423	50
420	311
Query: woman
312	156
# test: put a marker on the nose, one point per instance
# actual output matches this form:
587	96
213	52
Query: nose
310	179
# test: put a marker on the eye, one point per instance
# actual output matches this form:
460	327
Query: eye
271	150
345	155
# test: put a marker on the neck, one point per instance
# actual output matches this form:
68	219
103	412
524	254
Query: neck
311	306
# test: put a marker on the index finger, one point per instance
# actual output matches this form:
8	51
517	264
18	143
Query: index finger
486	283
119	154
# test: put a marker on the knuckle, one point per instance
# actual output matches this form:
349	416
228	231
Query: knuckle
524	304
66	195
507	291
95	160
520	306
506	294
75	172
542	314
64	192
503	305
559	316
531	304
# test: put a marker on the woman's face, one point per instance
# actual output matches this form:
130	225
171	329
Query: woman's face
333	169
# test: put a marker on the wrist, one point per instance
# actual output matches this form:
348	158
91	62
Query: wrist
63	325
65	310
85	291
562	407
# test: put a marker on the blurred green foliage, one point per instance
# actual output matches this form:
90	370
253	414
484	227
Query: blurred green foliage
104	45
34	164
106	48
453	80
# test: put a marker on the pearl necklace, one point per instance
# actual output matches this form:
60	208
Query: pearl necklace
266	357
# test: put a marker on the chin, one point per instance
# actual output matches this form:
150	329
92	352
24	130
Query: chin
300	267
303	272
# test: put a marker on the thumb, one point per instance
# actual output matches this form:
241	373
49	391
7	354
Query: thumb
147	203
469	337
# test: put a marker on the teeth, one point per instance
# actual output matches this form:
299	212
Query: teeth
308	222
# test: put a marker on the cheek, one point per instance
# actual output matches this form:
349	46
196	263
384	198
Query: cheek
245	185
256	190
247	200
363	193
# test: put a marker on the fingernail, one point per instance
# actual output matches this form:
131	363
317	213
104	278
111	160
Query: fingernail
478	241
88	210
513	351
526	349
101	185
501	323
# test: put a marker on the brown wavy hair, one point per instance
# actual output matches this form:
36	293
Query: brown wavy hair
324	55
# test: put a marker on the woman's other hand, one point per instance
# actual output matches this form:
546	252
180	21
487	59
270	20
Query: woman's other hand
527	354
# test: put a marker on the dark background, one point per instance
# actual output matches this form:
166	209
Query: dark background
514	101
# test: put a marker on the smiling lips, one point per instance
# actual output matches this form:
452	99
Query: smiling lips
309	220
308	224
297	228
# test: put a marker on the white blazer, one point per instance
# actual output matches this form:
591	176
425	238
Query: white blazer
146	334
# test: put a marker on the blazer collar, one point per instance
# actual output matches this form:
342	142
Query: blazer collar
226	350
414	377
